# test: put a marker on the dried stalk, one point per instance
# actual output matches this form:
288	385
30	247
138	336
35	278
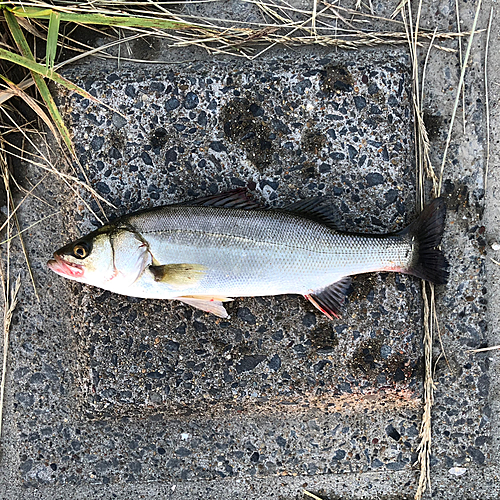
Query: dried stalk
457	99
10	302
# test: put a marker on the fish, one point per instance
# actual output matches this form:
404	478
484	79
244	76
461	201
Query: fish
214	249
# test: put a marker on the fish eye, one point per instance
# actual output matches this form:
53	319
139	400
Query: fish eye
80	250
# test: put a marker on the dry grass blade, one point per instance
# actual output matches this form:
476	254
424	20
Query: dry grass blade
457	98
13	214
485	349
425	164
457	10
28	194
424	448
312	495
487	101
9	239
68	180
23	246
32	104
10	303
443	352
25	252
313	17
28	26
399	9
7	94
10	299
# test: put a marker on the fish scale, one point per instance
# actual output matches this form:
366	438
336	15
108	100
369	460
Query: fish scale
261	252
210	251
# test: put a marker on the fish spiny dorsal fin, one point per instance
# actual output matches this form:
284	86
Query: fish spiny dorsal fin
330	300
318	210
237	198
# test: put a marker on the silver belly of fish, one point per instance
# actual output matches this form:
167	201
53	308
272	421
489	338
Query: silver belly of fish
261	253
205	255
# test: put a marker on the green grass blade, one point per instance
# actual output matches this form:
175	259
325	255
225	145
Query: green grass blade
21	42
52	36
42	70
17	34
120	21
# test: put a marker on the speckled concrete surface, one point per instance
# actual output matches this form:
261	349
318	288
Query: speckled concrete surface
200	395
94	409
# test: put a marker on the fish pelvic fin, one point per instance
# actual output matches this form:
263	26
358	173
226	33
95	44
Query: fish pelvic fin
178	276
207	303
330	300
425	234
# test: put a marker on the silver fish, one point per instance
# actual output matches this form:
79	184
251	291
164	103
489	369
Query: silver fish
215	249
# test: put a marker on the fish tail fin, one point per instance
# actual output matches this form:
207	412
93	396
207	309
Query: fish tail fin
425	233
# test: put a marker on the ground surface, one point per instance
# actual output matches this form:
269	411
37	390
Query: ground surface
110	397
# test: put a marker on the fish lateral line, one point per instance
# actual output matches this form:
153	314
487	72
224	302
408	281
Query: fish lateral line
308	256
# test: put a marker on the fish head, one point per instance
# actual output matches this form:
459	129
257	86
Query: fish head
108	258
87	260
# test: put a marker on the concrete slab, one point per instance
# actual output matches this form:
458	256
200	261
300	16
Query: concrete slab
177	393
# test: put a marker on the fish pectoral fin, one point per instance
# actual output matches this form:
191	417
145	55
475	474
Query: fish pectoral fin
330	300
207	303
178	275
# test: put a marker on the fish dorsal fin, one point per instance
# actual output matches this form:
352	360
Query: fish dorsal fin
237	198
330	300
207	303
178	276
317	210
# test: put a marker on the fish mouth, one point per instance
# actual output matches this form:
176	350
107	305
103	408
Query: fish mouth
65	268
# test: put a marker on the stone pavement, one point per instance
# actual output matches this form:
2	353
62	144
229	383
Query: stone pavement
110	396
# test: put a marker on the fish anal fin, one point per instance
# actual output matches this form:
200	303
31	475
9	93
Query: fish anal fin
330	300
236	198
312	300
211	304
178	275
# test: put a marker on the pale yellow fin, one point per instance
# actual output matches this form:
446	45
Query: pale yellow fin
178	275
208	304
218	298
